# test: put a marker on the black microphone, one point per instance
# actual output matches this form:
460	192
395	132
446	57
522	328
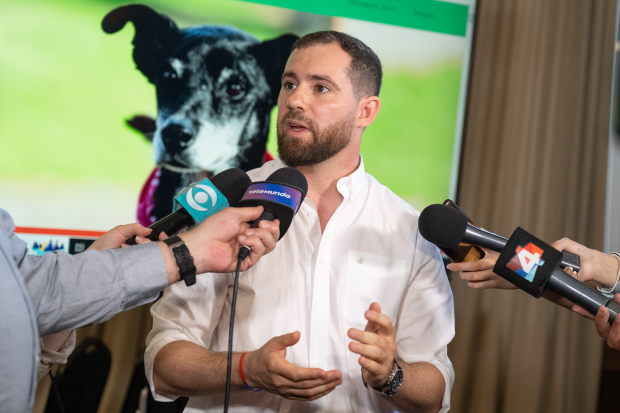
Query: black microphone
280	195
447	227
200	200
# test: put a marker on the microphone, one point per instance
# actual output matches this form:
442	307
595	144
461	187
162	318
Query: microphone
200	200
280	195
525	261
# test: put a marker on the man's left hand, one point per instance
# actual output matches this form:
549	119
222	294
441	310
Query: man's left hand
376	346
117	237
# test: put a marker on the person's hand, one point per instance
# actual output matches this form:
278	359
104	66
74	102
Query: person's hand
609	332
267	369
479	274
595	265
117	236
215	243
376	346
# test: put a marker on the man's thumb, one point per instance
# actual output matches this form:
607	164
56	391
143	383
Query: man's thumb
287	340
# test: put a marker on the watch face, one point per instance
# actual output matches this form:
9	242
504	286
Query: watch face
396	381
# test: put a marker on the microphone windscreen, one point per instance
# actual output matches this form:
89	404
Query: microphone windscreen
232	183
442	225
291	177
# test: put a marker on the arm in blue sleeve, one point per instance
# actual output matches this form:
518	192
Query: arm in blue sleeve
70	291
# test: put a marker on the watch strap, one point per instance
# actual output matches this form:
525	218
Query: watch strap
185	261
386	389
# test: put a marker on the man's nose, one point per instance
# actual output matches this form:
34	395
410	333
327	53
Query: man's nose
298	99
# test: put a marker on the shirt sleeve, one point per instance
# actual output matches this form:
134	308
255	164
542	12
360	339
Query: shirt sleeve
70	291
49	357
186	313
425	323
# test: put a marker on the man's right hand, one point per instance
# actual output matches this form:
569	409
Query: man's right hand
267	369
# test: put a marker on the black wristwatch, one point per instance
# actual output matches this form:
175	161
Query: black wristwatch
394	380
185	261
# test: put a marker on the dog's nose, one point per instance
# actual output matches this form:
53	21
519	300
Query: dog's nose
175	137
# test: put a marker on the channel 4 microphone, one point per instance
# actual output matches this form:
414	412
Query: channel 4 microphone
525	261
199	201
280	195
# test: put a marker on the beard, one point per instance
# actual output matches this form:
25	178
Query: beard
324	145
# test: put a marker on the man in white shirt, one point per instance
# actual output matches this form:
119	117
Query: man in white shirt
352	311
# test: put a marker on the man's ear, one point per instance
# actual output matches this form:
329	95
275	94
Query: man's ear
271	56
156	35
368	108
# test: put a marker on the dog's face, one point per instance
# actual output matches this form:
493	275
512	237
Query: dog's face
207	95
215	86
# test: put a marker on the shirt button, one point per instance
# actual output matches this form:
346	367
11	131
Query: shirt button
322	261
311	214
319	364
320	313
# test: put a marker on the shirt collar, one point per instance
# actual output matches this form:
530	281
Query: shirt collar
349	186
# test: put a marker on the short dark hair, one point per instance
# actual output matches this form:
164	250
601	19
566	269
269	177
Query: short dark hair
365	71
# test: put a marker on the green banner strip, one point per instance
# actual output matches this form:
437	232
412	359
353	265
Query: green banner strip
431	15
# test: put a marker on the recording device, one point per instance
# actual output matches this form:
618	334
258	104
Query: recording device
199	201
281	195
463	252
525	261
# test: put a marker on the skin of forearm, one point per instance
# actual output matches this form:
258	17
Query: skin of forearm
421	391
55	341
183	368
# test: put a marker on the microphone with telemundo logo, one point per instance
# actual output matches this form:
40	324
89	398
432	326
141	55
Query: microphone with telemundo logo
199	201
525	261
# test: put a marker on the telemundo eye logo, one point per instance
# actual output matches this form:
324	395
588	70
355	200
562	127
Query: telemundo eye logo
266	191
201	197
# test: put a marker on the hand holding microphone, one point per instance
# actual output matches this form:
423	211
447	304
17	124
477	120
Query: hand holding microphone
525	261
199	201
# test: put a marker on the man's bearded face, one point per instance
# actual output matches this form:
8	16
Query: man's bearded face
324	143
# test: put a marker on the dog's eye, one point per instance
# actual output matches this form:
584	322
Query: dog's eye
234	89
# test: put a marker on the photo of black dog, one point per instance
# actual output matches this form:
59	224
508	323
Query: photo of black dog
215	88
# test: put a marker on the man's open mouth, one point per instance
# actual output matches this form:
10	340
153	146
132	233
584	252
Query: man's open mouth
296	126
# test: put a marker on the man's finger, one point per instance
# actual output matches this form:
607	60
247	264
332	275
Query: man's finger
284	341
613	339
563	244
365	337
299	374
370	352
601	322
379	320
130	230
246	214
371	366
310	394
582	312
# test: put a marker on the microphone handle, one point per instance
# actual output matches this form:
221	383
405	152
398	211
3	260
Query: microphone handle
581	294
265	216
170	224
494	242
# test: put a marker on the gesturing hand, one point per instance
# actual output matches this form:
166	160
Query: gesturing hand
376	347
267	369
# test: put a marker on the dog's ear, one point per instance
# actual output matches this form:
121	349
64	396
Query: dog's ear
155	38
271	56
143	124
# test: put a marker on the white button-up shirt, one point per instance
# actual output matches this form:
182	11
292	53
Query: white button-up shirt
321	284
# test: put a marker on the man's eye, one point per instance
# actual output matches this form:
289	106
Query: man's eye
322	89
289	86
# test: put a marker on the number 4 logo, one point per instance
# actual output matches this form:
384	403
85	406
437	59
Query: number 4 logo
527	259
